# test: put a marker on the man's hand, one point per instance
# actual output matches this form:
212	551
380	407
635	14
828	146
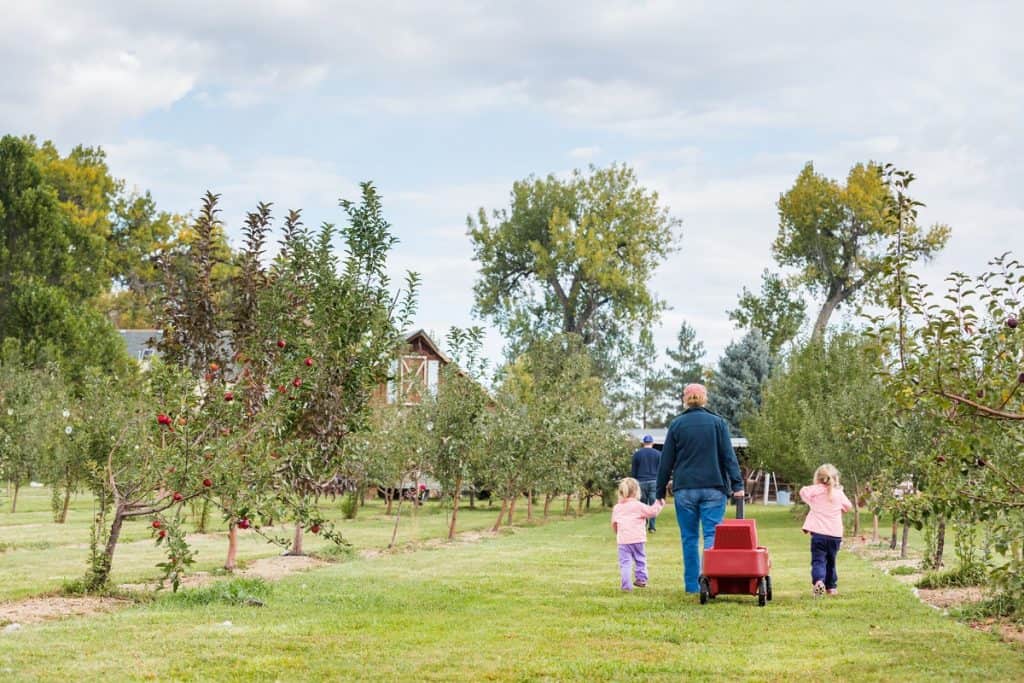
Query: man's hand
738	494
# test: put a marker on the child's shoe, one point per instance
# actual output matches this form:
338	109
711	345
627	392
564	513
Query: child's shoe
833	591
640	585
819	589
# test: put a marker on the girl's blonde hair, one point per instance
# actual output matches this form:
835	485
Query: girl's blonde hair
827	475
629	488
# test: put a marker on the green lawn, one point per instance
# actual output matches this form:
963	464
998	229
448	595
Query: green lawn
37	556
537	604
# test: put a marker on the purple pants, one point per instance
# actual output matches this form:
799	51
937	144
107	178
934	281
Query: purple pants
630	553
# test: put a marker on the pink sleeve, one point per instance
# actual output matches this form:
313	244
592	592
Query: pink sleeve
805	494
648	511
847	505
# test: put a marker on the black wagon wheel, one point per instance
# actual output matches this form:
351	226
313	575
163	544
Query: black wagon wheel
762	592
705	589
768	588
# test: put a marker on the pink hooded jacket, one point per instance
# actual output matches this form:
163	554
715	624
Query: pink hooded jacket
826	515
629	519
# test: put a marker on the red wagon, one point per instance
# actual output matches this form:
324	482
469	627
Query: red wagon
736	564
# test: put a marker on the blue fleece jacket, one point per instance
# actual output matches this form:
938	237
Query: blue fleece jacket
698	454
645	464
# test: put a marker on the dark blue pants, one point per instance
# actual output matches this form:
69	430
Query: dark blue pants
823	559
647	491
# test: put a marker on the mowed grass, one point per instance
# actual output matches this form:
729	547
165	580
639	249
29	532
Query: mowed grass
538	603
38	556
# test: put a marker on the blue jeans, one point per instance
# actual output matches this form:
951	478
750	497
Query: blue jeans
823	559
647	491
697	510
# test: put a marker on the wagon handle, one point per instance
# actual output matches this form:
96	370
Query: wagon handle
739	507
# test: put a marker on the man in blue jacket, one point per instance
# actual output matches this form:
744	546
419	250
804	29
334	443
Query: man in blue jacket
698	458
645	471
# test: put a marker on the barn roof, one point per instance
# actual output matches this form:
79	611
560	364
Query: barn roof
410	337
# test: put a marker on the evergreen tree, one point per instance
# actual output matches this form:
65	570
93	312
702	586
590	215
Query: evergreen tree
684	368
742	371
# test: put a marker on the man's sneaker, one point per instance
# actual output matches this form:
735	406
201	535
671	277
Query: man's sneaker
833	591
819	589
652	530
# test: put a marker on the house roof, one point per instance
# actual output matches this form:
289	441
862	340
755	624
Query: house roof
659	436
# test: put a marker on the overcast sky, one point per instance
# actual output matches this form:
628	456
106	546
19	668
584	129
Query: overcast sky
443	105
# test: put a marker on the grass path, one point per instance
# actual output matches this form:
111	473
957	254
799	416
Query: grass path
538	604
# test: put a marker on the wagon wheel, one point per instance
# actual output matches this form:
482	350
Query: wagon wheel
705	590
762	592
768	586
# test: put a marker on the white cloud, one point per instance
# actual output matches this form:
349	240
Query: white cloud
584	153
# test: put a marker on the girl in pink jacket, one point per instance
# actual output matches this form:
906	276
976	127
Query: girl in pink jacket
629	521
825	525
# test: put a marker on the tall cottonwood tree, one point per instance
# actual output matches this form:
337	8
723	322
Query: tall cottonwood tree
838	236
573	256
777	312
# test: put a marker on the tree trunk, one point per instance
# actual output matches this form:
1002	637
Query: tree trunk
204	516
512	508
856	516
501	514
589	495
101	570
14	498
529	505
856	513
456	494
230	562
824	314
472	500
547	504
398	517
64	508
388	497
874	528
297	542
892	539
940	543
568	498
579	504
903	541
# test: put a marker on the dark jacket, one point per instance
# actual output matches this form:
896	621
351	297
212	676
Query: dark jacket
645	464
698	454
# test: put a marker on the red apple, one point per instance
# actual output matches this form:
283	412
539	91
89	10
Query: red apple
297	382
207	483
282	389
243	523
315	528
281	343
163	419
156	524
162	533
208	377
177	497
229	396
309	362
214	367
1012	322
1020	378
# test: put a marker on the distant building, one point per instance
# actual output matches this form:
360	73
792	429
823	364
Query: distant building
415	373
140	343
